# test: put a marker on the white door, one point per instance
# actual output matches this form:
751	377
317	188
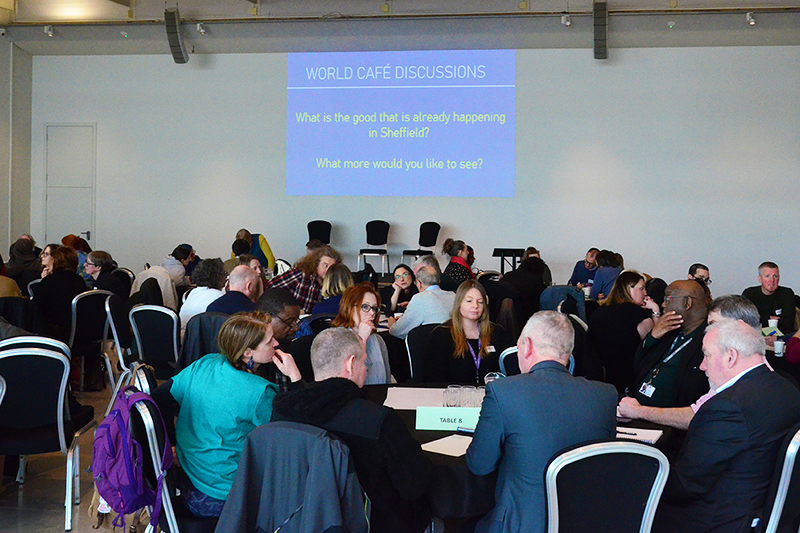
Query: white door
70	167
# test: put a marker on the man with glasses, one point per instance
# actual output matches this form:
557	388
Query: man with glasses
285	311
431	306
699	272
667	362
772	300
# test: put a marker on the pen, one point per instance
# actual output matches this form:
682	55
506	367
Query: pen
465	431
625	433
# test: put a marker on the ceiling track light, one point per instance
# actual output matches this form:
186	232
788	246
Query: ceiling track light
201	29
48	30
565	20
750	18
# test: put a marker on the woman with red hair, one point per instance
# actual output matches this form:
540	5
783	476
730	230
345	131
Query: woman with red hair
360	310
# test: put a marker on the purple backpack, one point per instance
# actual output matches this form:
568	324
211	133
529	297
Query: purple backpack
117	461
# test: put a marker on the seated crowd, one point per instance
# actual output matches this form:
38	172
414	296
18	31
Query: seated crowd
641	349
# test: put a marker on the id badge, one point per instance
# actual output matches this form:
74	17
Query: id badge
490	349
647	390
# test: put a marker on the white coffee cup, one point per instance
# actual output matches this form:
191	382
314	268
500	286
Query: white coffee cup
779	345
587	291
773	322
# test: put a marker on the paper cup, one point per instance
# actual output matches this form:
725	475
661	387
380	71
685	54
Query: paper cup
779	346
773	323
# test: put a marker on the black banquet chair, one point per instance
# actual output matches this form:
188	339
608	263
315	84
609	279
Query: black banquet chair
627	479
320	230
34	414
377	241
156	330
416	345
428	233
88	329
147	427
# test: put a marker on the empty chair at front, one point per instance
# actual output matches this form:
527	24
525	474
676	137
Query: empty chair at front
156	330
605	487
377	241
294	478
428	233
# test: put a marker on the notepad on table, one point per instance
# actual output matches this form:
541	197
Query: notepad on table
453	445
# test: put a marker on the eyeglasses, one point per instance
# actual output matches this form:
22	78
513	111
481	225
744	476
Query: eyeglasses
403	275
45	254
291	325
88	263
366	308
707	281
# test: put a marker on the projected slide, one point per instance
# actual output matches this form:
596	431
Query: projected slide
430	123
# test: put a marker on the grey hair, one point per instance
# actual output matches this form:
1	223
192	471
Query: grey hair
427	260
428	276
551	333
739	336
330	350
737	307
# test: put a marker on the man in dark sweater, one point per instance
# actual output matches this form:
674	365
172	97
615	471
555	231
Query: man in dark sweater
390	464
772	300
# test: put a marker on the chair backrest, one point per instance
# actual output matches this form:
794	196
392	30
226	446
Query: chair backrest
301	353
782	507
377	233
200	337
22	313
294	477
32	285
320	230
88	317
150	292
156	330
120	327
281	266
428	233
509	364
416	345
2	389
35	341
126	277
36	390
147	428
627	479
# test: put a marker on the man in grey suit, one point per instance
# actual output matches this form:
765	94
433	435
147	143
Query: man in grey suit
431	306
526	419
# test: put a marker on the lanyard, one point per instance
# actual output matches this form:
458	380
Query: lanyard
672	353
477	360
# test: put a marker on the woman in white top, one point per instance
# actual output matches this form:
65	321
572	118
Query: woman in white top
209	277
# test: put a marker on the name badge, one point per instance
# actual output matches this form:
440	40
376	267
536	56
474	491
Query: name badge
647	390
490	349
778	312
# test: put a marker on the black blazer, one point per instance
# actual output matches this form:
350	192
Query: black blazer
720	477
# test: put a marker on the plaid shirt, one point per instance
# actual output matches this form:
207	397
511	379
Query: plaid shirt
305	288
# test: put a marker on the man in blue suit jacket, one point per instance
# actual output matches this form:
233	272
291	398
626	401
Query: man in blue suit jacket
526	419
719	480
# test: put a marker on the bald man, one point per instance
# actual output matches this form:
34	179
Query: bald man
667	363
244	288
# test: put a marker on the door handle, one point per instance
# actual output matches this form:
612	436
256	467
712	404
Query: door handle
88	234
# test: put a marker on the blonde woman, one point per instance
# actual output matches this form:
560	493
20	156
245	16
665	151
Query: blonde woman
337	280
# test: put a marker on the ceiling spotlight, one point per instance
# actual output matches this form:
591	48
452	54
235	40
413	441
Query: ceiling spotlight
201	29
124	34
750	18
671	24
566	21
48	30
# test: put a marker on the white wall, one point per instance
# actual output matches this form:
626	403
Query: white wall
666	155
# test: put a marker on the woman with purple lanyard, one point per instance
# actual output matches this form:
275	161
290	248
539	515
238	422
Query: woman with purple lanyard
467	347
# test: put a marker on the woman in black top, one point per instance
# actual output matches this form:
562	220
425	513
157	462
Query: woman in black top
55	293
395	298
467	347
618	326
457	270
99	265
